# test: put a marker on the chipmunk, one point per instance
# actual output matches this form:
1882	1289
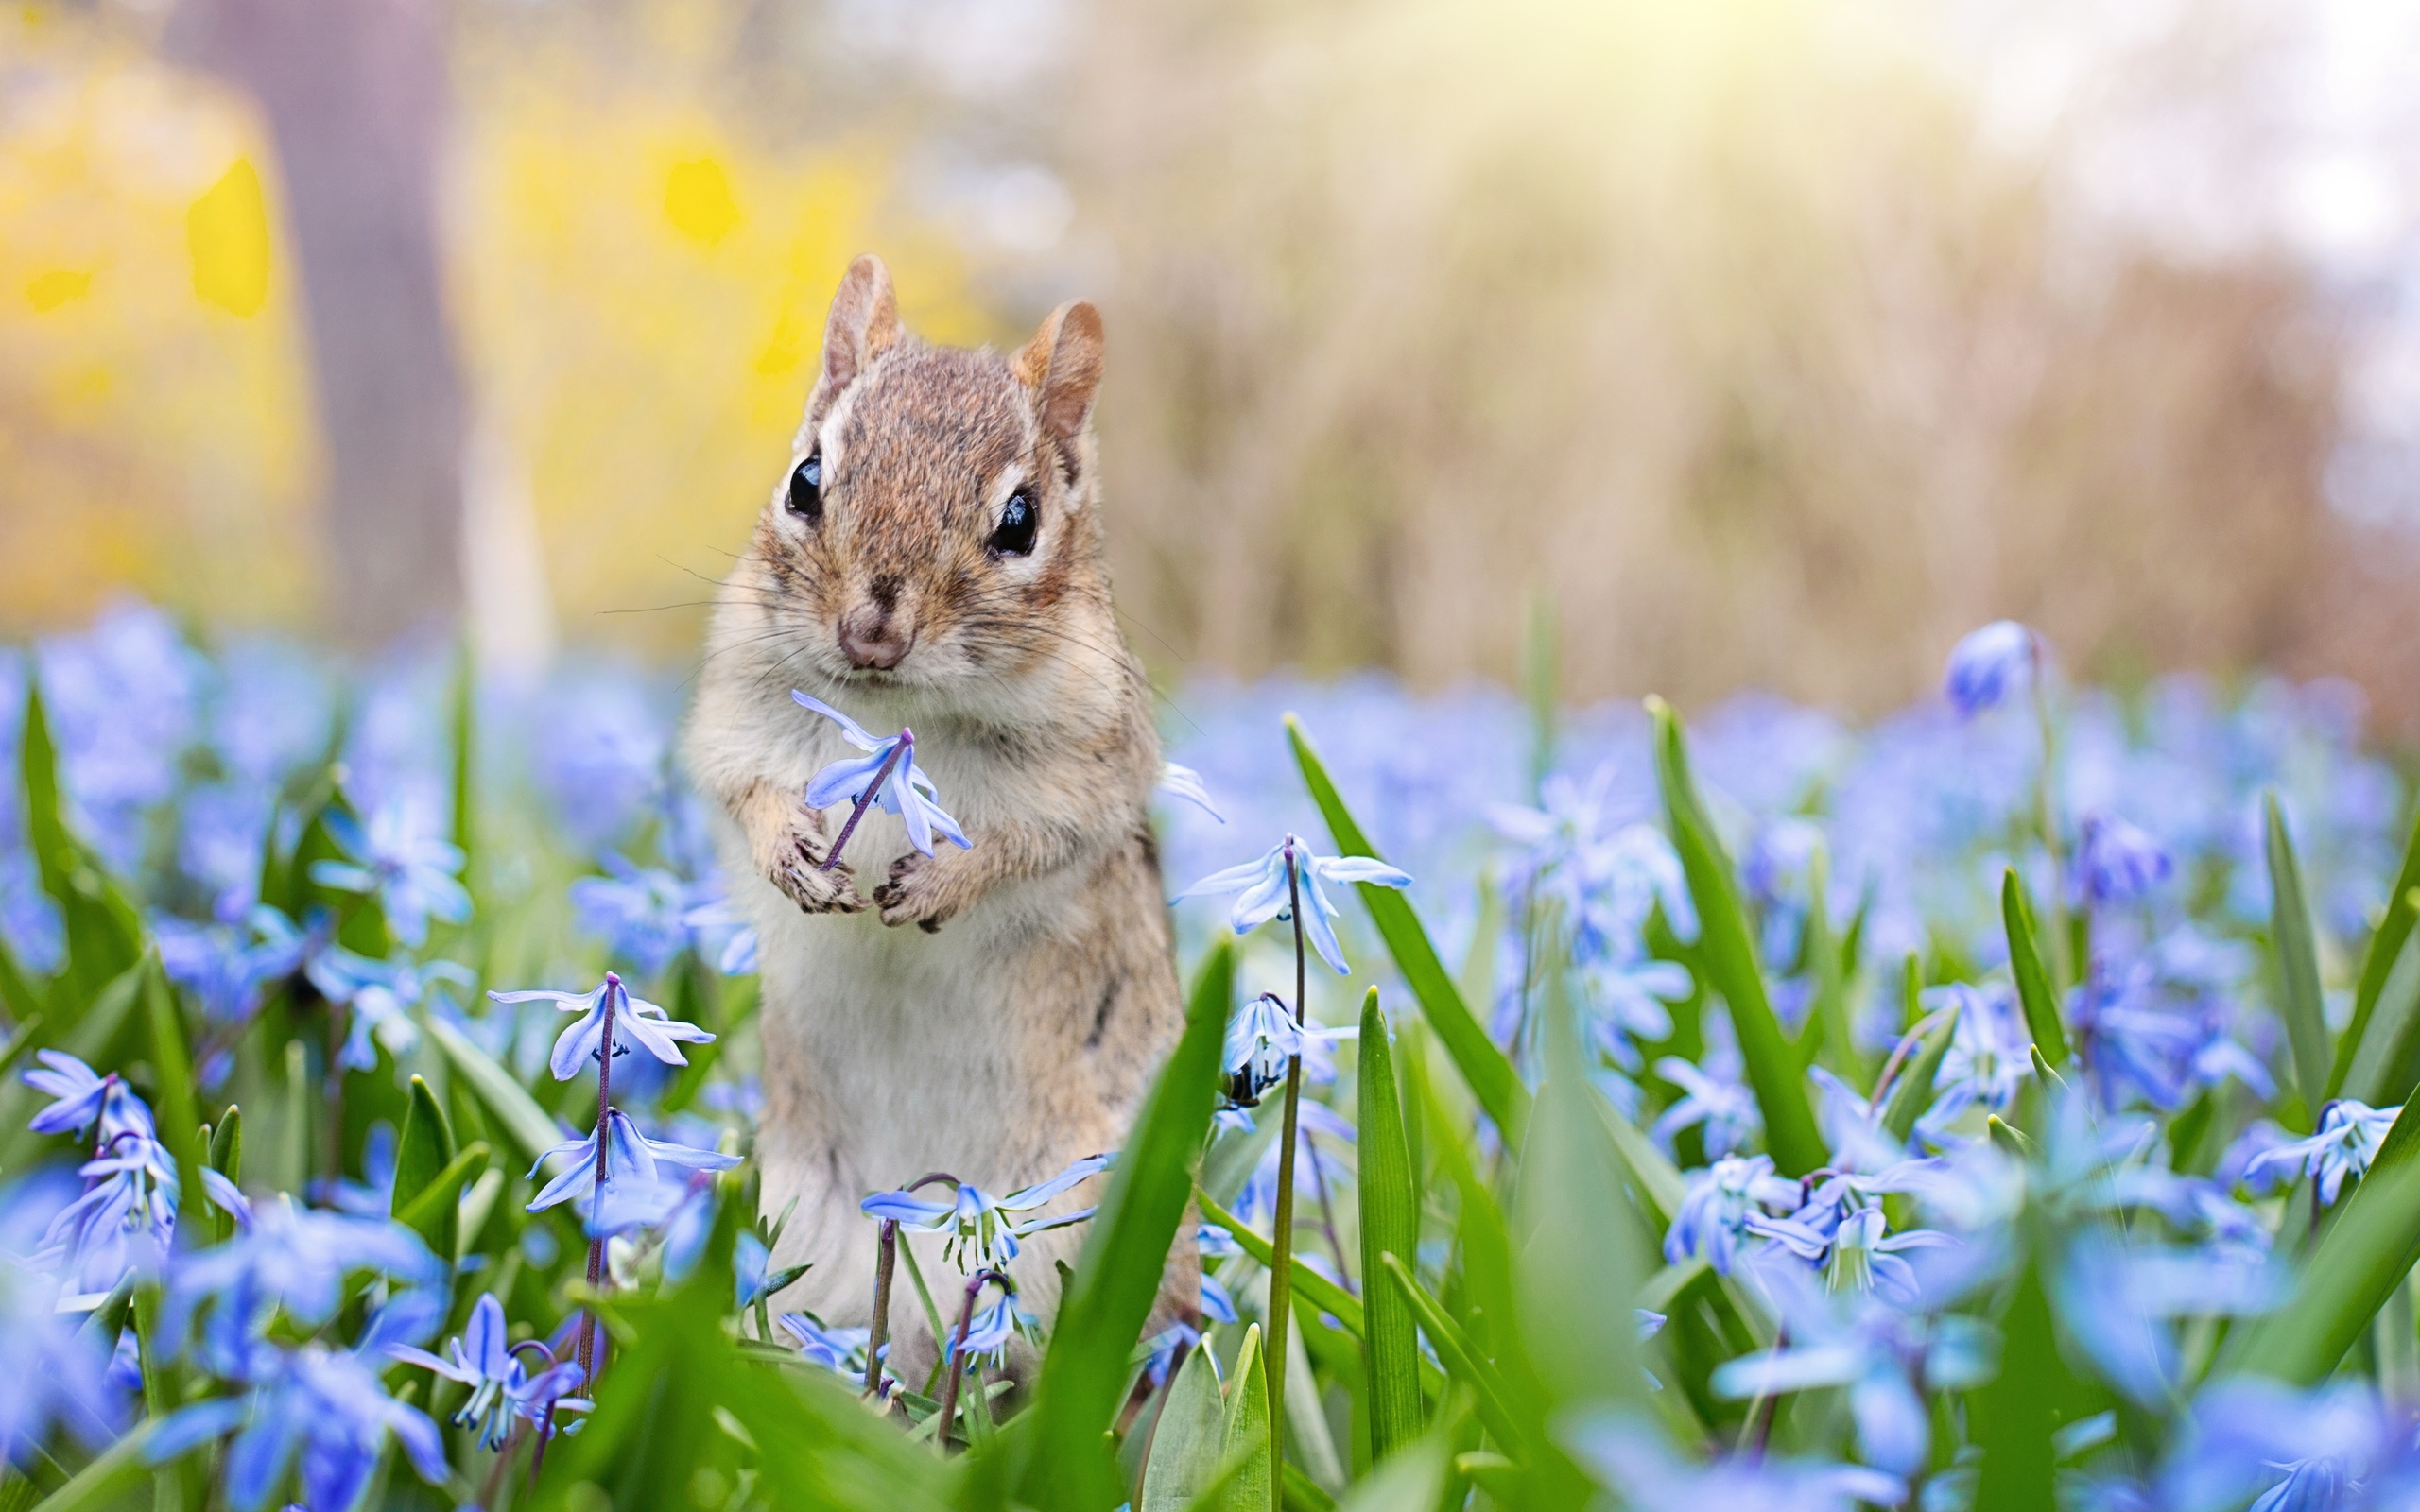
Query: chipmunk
932	560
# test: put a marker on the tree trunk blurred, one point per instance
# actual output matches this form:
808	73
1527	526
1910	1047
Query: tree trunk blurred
356	97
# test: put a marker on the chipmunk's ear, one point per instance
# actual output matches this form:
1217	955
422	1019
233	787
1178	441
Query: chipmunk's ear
863	324
1062	364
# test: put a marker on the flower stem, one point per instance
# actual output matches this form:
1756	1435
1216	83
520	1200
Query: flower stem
865	799
604	1138
957	1361
887	1260
1281	1270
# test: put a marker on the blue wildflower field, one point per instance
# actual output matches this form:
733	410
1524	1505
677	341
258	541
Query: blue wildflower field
1997	1105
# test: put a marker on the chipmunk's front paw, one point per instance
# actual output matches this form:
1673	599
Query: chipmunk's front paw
919	892
797	869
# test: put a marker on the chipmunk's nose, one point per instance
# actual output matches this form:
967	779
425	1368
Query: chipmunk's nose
873	634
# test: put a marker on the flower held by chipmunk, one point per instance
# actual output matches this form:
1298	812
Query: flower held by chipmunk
907	792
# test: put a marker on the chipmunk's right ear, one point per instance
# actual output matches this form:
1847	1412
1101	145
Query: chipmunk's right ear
863	324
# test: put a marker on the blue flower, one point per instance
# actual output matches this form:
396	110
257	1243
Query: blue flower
320	1406
2335	1444
2115	863
1314	1167
989	1333
641	912
1263	1037
2118	1300
981	1236
393	858
723	936
1712	1220
81	1094
1989	1057
1989	664
1888	1359
53	1371
1630	1454
2350	1136
839	1351
293	1260
1266	892
226	965
502	1390
656	1032
907	792
1727	1109
1184	782
631	1159
379	997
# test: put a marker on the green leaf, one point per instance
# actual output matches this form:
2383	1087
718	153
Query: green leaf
104	935
86	1038
1461	1360
1491	1077
425	1147
179	1121
434	1212
1254	1481
1410	1483
498	1089
1656	1178
1828	1019
2300	1004
1389	1224
18	993
2386	1067
1309	1285
227	1145
113	1473
2379	959
1912	1092
2014	1417
2033	990
1083	1374
1727	954
1188	1438
2358	1262
465	715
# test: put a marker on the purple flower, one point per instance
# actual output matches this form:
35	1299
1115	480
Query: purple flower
82	1095
1712	1220
1727	1109
641	912
2350	1136
1267	893
656	1032
907	792
53	1371
1989	664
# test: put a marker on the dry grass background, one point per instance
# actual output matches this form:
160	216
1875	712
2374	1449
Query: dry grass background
1724	326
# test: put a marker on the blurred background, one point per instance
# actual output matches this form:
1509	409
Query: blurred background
1765	343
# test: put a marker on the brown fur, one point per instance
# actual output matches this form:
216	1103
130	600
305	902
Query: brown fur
1017	1027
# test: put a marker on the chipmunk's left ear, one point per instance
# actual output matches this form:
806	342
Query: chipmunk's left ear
1063	365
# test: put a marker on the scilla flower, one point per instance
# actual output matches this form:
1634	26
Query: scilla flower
410	872
2118	863
1184	782
2350	1135
1989	664
1267	888
501	1389
1713	1212
654	1030
907	792
631	1159
981	1234
1263	1037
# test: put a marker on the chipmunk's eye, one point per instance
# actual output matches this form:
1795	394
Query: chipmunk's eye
1018	523
807	489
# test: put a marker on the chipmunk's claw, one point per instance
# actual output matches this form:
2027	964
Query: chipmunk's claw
800	876
915	893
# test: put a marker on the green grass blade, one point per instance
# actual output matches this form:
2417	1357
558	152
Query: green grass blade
1658	1181
104	935
104	1482
227	1145
465	699
1912	1092
2014	1415
2379	959
499	1091
1727	953
1390	1226
2299	1002
2033	990
1309	1285
2387	1065
1084	1371
1463	1361
179	1122
434	1212
1254	1482
2357	1263
426	1144
1484	1067
1187	1441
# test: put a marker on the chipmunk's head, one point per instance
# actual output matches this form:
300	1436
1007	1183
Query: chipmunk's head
938	519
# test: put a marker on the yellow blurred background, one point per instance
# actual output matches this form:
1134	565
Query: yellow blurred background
1752	337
